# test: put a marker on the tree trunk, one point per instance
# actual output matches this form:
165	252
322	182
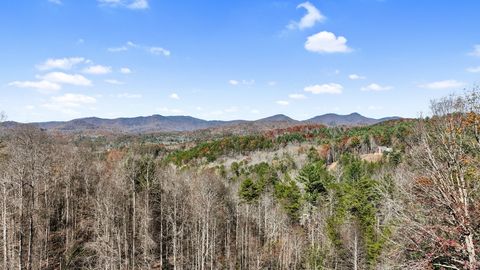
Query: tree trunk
134	223
4	222
20	248
355	250
471	251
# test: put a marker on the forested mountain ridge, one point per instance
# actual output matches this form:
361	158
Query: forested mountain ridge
401	194
353	119
159	123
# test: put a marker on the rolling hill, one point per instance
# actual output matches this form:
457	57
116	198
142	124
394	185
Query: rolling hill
159	123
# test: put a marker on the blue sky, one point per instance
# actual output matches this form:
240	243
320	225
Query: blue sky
64	59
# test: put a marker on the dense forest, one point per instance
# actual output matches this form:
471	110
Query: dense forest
402	194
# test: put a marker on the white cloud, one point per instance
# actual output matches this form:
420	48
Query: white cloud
254	111
375	87
128	95
58	2
356	77
97	70
132	44
476	51
272	83
118	49
64	78
446	84
328	88
62	63
243	82
125	70
74	100
310	19
174	96
282	102
155	50
159	51
297	96
43	86
474	69
327	42
113	81
130	4
68	103
138	4
233	82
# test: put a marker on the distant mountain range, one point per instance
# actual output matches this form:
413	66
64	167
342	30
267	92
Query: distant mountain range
353	119
159	123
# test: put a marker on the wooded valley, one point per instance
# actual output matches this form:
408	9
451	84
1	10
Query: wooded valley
402	194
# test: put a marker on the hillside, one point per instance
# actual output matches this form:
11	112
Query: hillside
306	193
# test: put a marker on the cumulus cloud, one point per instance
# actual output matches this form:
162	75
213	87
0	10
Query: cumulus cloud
446	84
282	102
42	86
97	70
327	42
138	4
328	88
130	4
159	51
125	70
174	96
114	82
62	63
155	50
64	78
375	87
74	100
69	103
233	82
118	49
473	69
356	77
476	51
53	81
310	19
243	82
297	96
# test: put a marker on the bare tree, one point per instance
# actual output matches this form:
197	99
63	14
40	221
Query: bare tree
446	185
